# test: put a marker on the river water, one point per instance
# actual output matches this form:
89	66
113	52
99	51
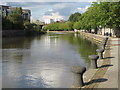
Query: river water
43	61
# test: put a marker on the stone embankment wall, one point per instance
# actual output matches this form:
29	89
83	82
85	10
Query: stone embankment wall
9	33
94	75
93	37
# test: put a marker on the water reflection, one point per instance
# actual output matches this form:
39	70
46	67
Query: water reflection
43	62
84	46
17	42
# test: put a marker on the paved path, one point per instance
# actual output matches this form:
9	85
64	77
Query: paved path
107	75
103	65
112	73
118	62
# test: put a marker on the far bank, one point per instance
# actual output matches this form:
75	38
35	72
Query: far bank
18	33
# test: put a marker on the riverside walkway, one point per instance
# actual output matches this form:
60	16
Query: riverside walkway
112	73
106	76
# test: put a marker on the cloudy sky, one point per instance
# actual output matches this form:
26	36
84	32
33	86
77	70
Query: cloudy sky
40	9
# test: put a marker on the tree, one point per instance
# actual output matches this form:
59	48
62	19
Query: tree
28	26
105	14
74	17
6	24
16	18
59	26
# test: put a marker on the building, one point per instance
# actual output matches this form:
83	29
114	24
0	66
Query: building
106	32
10	9
26	14
55	17
5	10
48	20
38	22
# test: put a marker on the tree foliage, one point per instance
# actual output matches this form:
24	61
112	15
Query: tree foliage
13	20
105	14
74	17
59	26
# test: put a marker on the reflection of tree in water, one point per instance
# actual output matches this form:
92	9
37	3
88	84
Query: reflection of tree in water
16	48
17	42
15	55
38	37
85	47
18	57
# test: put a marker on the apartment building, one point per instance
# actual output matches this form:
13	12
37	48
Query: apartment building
5	10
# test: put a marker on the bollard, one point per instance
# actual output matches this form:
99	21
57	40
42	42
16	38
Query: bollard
106	38
103	44
78	76
93	59
104	41
100	53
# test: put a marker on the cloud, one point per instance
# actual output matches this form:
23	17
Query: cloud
67	9
40	9
83	9
53	16
50	10
47	0
3	3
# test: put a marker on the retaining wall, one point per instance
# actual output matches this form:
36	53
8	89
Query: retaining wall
93	37
92	75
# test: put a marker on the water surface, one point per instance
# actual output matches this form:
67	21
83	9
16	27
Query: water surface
43	61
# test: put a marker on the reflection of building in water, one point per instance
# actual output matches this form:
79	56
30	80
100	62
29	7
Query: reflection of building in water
50	41
47	42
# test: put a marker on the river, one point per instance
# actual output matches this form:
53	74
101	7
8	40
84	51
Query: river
43	61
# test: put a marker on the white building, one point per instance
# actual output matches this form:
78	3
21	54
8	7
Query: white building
48	20
53	18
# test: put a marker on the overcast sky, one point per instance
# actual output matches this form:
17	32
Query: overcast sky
40	9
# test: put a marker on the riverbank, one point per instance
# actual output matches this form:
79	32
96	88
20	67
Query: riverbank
12	33
106	76
18	33
60	31
93	37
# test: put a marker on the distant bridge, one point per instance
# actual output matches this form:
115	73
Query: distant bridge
41	25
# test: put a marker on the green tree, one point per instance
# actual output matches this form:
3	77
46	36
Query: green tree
16	18
66	26
105	14
28	26
6	24
74	17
